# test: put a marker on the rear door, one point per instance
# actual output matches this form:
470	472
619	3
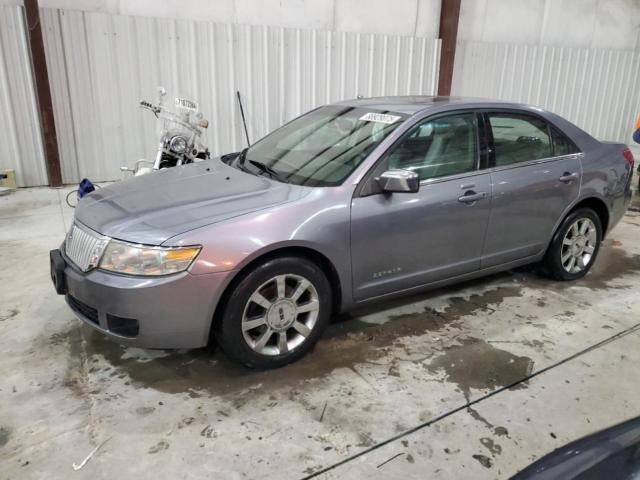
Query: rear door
535	176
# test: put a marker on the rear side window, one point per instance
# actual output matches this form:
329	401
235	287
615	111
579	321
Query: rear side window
519	138
561	144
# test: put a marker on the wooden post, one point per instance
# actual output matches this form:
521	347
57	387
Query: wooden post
43	92
449	15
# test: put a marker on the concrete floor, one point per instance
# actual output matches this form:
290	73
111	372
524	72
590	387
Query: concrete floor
413	389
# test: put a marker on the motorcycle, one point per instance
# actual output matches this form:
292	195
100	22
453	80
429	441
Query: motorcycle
179	135
179	142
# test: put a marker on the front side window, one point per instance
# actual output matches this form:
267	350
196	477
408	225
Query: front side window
519	138
323	147
438	147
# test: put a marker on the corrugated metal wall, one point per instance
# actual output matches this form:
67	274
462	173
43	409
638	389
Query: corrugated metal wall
598	90
100	65
20	139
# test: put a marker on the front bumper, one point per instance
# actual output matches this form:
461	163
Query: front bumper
162	312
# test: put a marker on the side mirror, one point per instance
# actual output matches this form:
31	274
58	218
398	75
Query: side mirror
399	181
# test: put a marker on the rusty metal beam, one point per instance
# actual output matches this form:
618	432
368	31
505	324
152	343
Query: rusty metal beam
449	16
43	92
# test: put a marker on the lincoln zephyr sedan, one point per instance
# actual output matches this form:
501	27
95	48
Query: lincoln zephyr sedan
347	204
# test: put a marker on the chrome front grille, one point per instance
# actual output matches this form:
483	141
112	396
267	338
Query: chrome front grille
84	247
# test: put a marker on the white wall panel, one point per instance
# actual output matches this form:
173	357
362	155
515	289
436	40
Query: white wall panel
20	139
597	89
559	23
398	17
100	65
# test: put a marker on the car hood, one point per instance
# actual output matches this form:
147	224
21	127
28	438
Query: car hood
152	208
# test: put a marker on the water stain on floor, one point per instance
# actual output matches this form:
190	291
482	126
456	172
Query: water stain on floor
347	342
433	320
611	263
10	208
490	445
12	312
476	364
484	460
4	436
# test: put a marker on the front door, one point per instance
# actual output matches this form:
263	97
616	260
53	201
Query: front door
403	240
535	176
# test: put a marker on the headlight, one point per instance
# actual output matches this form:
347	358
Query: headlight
178	144
131	259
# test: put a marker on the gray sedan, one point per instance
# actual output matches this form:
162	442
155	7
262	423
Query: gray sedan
348	204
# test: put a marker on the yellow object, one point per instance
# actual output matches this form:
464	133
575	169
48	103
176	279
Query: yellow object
10	181
181	255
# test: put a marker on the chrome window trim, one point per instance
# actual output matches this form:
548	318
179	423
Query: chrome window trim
382	149
481	171
538	161
473	173
568	156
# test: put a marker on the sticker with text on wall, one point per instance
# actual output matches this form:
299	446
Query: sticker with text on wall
186	104
380	118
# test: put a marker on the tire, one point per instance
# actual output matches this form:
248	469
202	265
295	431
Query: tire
578	237
257	306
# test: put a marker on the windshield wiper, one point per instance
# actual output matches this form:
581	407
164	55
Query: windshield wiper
240	159
267	169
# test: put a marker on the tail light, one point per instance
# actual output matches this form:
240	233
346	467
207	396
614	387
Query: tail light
628	156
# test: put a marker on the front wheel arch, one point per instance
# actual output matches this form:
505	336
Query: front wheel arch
316	257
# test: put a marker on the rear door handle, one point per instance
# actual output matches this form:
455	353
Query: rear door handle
568	177
471	197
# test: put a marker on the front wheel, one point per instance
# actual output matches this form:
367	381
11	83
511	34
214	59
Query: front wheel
575	246
276	313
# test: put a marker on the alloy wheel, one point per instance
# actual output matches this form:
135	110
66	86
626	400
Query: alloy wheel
578	245
280	314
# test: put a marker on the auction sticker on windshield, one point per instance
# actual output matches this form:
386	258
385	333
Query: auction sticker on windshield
380	118
186	104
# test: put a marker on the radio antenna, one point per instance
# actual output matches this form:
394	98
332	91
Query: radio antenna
244	121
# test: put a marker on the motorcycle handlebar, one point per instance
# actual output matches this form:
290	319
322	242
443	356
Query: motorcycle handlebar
150	106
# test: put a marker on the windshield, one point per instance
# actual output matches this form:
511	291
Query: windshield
324	146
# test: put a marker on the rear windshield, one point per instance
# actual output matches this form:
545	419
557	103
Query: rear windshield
324	146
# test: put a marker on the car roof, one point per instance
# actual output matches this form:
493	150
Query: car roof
415	104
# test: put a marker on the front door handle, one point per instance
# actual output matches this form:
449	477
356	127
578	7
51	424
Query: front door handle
568	177
472	197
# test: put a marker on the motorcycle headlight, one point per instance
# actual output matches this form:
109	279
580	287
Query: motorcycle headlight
121	257
178	144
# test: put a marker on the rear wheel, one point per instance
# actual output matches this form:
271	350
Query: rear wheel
575	246
276	313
